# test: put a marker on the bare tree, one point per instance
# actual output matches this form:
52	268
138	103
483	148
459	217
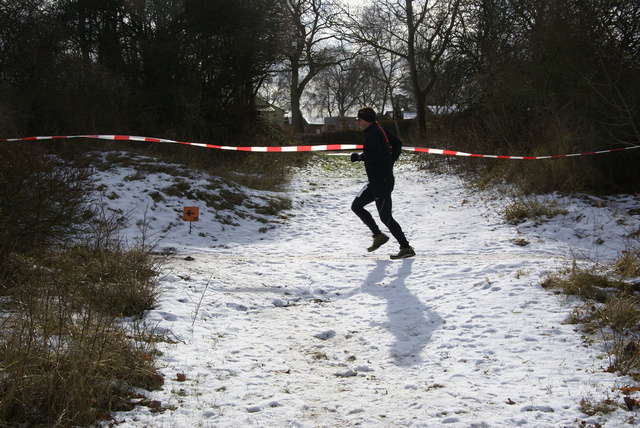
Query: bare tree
391	76
331	92
338	89
311	46
417	31
370	88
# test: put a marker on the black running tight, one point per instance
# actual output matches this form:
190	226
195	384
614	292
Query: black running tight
384	206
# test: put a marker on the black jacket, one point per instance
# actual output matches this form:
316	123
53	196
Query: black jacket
381	149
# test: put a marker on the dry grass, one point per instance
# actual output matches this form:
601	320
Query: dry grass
524	208
262	171
66	356
610	308
540	129
70	293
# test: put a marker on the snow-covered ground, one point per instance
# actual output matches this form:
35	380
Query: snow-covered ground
287	321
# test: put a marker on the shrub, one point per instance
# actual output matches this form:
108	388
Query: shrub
610	308
538	127
628	266
42	200
581	283
530	208
65	357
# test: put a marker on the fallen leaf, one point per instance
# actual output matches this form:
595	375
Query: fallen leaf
630	402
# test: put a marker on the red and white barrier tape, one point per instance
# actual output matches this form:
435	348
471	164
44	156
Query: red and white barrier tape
456	153
325	147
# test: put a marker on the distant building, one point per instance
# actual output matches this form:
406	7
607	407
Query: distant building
269	112
313	125
403	114
339	124
434	110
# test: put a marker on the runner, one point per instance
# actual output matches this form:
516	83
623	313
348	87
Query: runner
381	150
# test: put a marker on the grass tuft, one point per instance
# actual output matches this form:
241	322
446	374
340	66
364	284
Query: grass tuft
610	308
66	359
529	208
66	284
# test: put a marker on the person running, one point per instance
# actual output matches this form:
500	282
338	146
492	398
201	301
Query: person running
380	151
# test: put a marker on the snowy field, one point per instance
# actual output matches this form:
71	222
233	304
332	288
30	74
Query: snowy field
286	320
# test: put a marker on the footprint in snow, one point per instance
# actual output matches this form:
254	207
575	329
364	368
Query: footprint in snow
348	373
325	335
237	307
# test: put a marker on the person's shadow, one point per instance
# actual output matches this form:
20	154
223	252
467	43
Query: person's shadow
409	320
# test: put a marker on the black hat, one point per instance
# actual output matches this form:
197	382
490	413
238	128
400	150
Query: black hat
367	113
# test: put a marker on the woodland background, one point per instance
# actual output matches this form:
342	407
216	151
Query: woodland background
523	77
532	77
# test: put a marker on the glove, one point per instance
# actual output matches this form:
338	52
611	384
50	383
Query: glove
355	157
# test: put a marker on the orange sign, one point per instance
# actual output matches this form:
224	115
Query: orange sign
190	213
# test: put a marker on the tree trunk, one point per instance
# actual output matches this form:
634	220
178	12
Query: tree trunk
418	93
297	122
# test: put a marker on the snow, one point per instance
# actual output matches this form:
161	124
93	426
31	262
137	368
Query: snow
286	320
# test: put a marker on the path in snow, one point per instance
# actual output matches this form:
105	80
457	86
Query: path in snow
302	327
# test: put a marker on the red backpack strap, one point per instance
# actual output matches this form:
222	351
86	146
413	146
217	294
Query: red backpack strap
386	139
395	146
